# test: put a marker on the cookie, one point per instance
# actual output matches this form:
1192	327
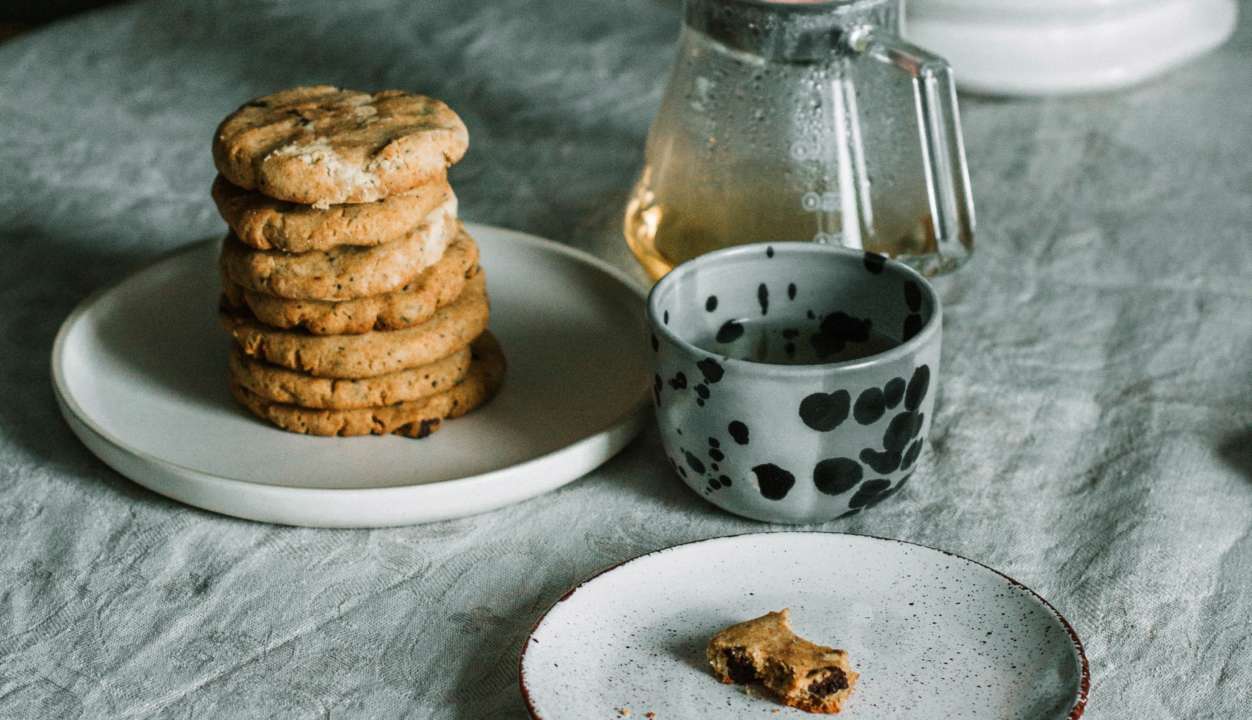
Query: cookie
411	305
321	145
765	650
345	272
451	328
264	223
417	418
281	385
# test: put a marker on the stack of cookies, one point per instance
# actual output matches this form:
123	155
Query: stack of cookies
351	290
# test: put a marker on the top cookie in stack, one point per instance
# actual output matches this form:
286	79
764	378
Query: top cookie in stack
322	145
350	288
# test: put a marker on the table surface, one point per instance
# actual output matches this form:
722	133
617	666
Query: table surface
1092	438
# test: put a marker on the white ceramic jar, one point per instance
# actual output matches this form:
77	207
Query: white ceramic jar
1045	47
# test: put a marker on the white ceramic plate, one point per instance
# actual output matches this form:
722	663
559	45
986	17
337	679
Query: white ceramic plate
933	635
140	373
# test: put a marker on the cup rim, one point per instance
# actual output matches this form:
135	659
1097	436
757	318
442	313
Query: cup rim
933	325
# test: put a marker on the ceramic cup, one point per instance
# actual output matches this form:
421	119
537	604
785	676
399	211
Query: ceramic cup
794	382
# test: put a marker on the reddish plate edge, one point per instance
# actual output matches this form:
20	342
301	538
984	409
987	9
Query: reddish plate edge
1084	684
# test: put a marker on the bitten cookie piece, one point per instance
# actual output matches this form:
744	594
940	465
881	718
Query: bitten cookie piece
321	145
802	674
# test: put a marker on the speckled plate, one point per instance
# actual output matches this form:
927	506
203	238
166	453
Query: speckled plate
934	635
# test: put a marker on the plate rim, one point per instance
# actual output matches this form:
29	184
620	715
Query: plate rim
629	422
1084	684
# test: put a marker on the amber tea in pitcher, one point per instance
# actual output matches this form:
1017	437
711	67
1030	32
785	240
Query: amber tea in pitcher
803	121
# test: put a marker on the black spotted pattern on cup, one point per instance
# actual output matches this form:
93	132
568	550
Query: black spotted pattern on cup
805	442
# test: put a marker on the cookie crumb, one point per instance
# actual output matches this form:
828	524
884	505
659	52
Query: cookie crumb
624	712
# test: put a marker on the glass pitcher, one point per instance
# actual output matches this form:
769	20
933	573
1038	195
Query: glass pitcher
803	121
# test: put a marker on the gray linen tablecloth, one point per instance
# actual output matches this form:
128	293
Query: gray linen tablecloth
1093	436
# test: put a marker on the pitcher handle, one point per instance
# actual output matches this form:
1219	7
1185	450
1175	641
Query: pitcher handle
939	127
